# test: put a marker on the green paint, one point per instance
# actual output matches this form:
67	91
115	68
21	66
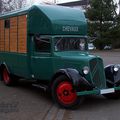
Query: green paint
117	88
56	20
92	92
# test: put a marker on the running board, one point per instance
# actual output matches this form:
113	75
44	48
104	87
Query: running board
41	86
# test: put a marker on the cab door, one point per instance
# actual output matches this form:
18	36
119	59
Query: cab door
41	58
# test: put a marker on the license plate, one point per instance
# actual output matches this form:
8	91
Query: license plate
105	91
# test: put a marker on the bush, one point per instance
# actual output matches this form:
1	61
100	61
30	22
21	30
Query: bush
100	44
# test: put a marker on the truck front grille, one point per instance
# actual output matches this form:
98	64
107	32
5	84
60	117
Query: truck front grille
97	72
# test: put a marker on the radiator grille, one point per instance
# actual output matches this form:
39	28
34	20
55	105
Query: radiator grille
97	71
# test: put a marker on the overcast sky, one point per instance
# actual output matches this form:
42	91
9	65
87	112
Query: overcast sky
58	1
75	0
52	1
62	1
31	2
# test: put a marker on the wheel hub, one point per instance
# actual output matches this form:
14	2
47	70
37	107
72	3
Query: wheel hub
65	93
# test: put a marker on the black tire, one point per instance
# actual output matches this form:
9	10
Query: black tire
8	78
113	96
66	98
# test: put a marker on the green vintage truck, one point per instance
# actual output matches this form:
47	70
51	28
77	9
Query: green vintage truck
49	44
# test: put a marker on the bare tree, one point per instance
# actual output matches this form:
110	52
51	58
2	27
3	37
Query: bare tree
19	3
119	7
0	6
32	2
9	5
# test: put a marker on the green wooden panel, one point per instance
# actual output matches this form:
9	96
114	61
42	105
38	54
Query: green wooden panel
16	63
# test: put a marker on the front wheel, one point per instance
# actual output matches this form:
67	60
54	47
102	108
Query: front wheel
63	93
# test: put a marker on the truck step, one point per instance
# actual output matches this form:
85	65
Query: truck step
41	86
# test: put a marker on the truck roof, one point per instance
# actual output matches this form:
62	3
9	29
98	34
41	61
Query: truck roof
52	19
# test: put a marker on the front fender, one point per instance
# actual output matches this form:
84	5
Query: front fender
79	82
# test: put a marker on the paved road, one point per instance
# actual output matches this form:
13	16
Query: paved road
109	57
25	102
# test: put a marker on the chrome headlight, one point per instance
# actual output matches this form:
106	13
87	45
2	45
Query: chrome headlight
86	70
116	68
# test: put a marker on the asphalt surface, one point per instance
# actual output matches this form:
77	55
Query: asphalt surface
25	102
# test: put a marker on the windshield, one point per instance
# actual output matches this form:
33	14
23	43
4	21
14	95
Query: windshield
69	44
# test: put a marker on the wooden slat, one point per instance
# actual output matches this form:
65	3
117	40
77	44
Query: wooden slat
13	34
15	38
7	40
22	34
2	35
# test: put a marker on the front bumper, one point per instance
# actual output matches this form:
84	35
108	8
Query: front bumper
98	91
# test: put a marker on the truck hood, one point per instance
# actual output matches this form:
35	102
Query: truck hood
78	60
73	59
75	56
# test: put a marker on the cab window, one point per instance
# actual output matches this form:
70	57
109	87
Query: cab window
42	44
70	44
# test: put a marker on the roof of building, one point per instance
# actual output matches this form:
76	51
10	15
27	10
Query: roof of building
75	3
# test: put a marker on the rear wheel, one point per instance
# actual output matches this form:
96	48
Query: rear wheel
8	79
64	94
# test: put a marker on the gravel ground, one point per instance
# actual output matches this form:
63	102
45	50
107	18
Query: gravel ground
25	102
